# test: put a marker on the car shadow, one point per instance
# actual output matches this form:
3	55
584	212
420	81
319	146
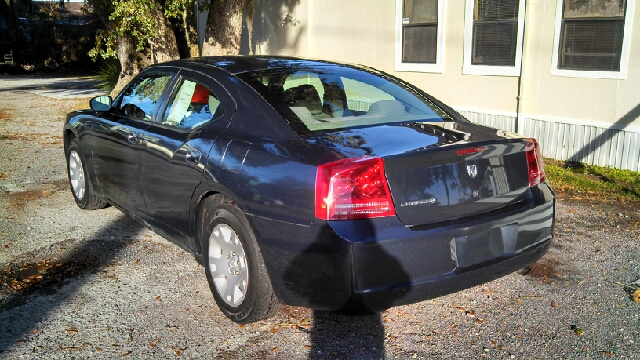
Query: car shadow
91	256
314	275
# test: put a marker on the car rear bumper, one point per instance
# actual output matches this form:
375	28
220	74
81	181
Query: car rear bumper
380	263
459	279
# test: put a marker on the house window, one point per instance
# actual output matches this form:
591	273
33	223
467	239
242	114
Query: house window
591	35
592	38
495	32
493	37
419	31
419	38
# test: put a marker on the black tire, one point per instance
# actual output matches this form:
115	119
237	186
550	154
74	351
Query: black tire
76	169
259	301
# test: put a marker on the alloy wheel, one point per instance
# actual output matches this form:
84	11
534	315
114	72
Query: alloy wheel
228	265
76	175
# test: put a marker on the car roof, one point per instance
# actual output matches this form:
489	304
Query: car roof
241	64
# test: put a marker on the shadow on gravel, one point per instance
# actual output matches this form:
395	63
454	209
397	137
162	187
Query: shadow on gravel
48	276
335	336
320	274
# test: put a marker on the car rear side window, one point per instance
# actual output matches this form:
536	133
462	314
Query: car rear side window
192	105
140	99
339	97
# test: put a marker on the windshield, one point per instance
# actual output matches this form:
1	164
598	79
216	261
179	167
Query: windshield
339	97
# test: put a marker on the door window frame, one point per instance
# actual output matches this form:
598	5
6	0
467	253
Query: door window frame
226	100
161	100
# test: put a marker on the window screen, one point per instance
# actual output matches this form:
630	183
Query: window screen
419	31
495	32
592	34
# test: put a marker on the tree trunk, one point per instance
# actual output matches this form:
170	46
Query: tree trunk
161	48
128	62
15	31
164	47
224	28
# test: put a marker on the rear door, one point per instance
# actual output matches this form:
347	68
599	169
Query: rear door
175	148
116	139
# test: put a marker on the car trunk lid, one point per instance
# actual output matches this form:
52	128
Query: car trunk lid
463	176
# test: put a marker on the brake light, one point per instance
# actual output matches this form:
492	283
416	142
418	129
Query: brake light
470	150
353	189
534	162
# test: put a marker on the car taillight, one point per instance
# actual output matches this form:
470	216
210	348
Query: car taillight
534	162
353	189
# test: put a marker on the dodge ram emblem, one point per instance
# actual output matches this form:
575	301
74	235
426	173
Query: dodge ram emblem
472	170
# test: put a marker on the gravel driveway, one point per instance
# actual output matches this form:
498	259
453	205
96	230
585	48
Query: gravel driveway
80	284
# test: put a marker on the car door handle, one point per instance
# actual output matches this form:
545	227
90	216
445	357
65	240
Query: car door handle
132	138
193	156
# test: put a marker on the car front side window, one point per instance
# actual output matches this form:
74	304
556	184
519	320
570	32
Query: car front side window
140	99
191	106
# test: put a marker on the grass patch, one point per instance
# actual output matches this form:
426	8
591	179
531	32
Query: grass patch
594	182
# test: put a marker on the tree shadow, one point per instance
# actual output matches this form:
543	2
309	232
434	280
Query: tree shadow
600	140
270	24
95	254
326	276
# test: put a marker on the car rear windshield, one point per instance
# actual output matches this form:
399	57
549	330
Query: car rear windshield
339	97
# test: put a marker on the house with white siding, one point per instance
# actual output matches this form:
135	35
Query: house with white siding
566	72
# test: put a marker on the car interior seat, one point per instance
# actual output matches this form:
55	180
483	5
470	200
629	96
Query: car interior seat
304	96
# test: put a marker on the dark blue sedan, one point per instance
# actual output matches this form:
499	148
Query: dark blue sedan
311	183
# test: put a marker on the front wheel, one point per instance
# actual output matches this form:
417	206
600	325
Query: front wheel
80	184
233	263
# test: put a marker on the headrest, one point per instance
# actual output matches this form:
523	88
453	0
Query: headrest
387	107
304	96
200	95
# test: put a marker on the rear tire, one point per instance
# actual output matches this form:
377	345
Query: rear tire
79	182
233	263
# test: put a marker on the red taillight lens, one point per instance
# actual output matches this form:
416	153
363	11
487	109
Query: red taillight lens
353	189
534	162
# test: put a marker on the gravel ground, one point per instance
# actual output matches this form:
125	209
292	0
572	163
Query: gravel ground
79	284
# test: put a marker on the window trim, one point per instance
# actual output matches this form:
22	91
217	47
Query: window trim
117	102
601	74
175	88
438	67
468	68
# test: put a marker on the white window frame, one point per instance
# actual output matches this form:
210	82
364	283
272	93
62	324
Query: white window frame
438	67
470	69
624	55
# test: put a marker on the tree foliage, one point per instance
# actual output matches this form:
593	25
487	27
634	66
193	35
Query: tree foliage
133	18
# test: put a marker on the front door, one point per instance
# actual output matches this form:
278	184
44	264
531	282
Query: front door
117	139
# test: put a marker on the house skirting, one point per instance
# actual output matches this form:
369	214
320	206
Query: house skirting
568	139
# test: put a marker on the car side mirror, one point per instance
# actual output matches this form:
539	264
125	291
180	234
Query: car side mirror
101	103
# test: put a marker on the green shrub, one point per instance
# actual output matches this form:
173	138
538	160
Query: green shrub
108	74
